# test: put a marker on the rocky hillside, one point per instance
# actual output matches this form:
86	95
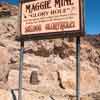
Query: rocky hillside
49	66
8	9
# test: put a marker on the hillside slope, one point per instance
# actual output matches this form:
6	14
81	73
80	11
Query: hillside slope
9	9
49	66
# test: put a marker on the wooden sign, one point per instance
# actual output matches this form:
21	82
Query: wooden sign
51	18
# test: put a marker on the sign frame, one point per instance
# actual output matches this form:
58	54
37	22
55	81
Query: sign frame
52	35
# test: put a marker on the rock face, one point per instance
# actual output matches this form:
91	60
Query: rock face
8	9
49	67
4	54
5	95
4	61
89	81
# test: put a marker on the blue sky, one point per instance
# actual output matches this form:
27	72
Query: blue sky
92	15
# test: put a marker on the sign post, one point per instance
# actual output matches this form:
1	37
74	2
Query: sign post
21	70
78	68
48	19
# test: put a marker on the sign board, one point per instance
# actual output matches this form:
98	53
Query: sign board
52	18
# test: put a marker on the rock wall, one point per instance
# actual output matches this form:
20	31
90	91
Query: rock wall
49	67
